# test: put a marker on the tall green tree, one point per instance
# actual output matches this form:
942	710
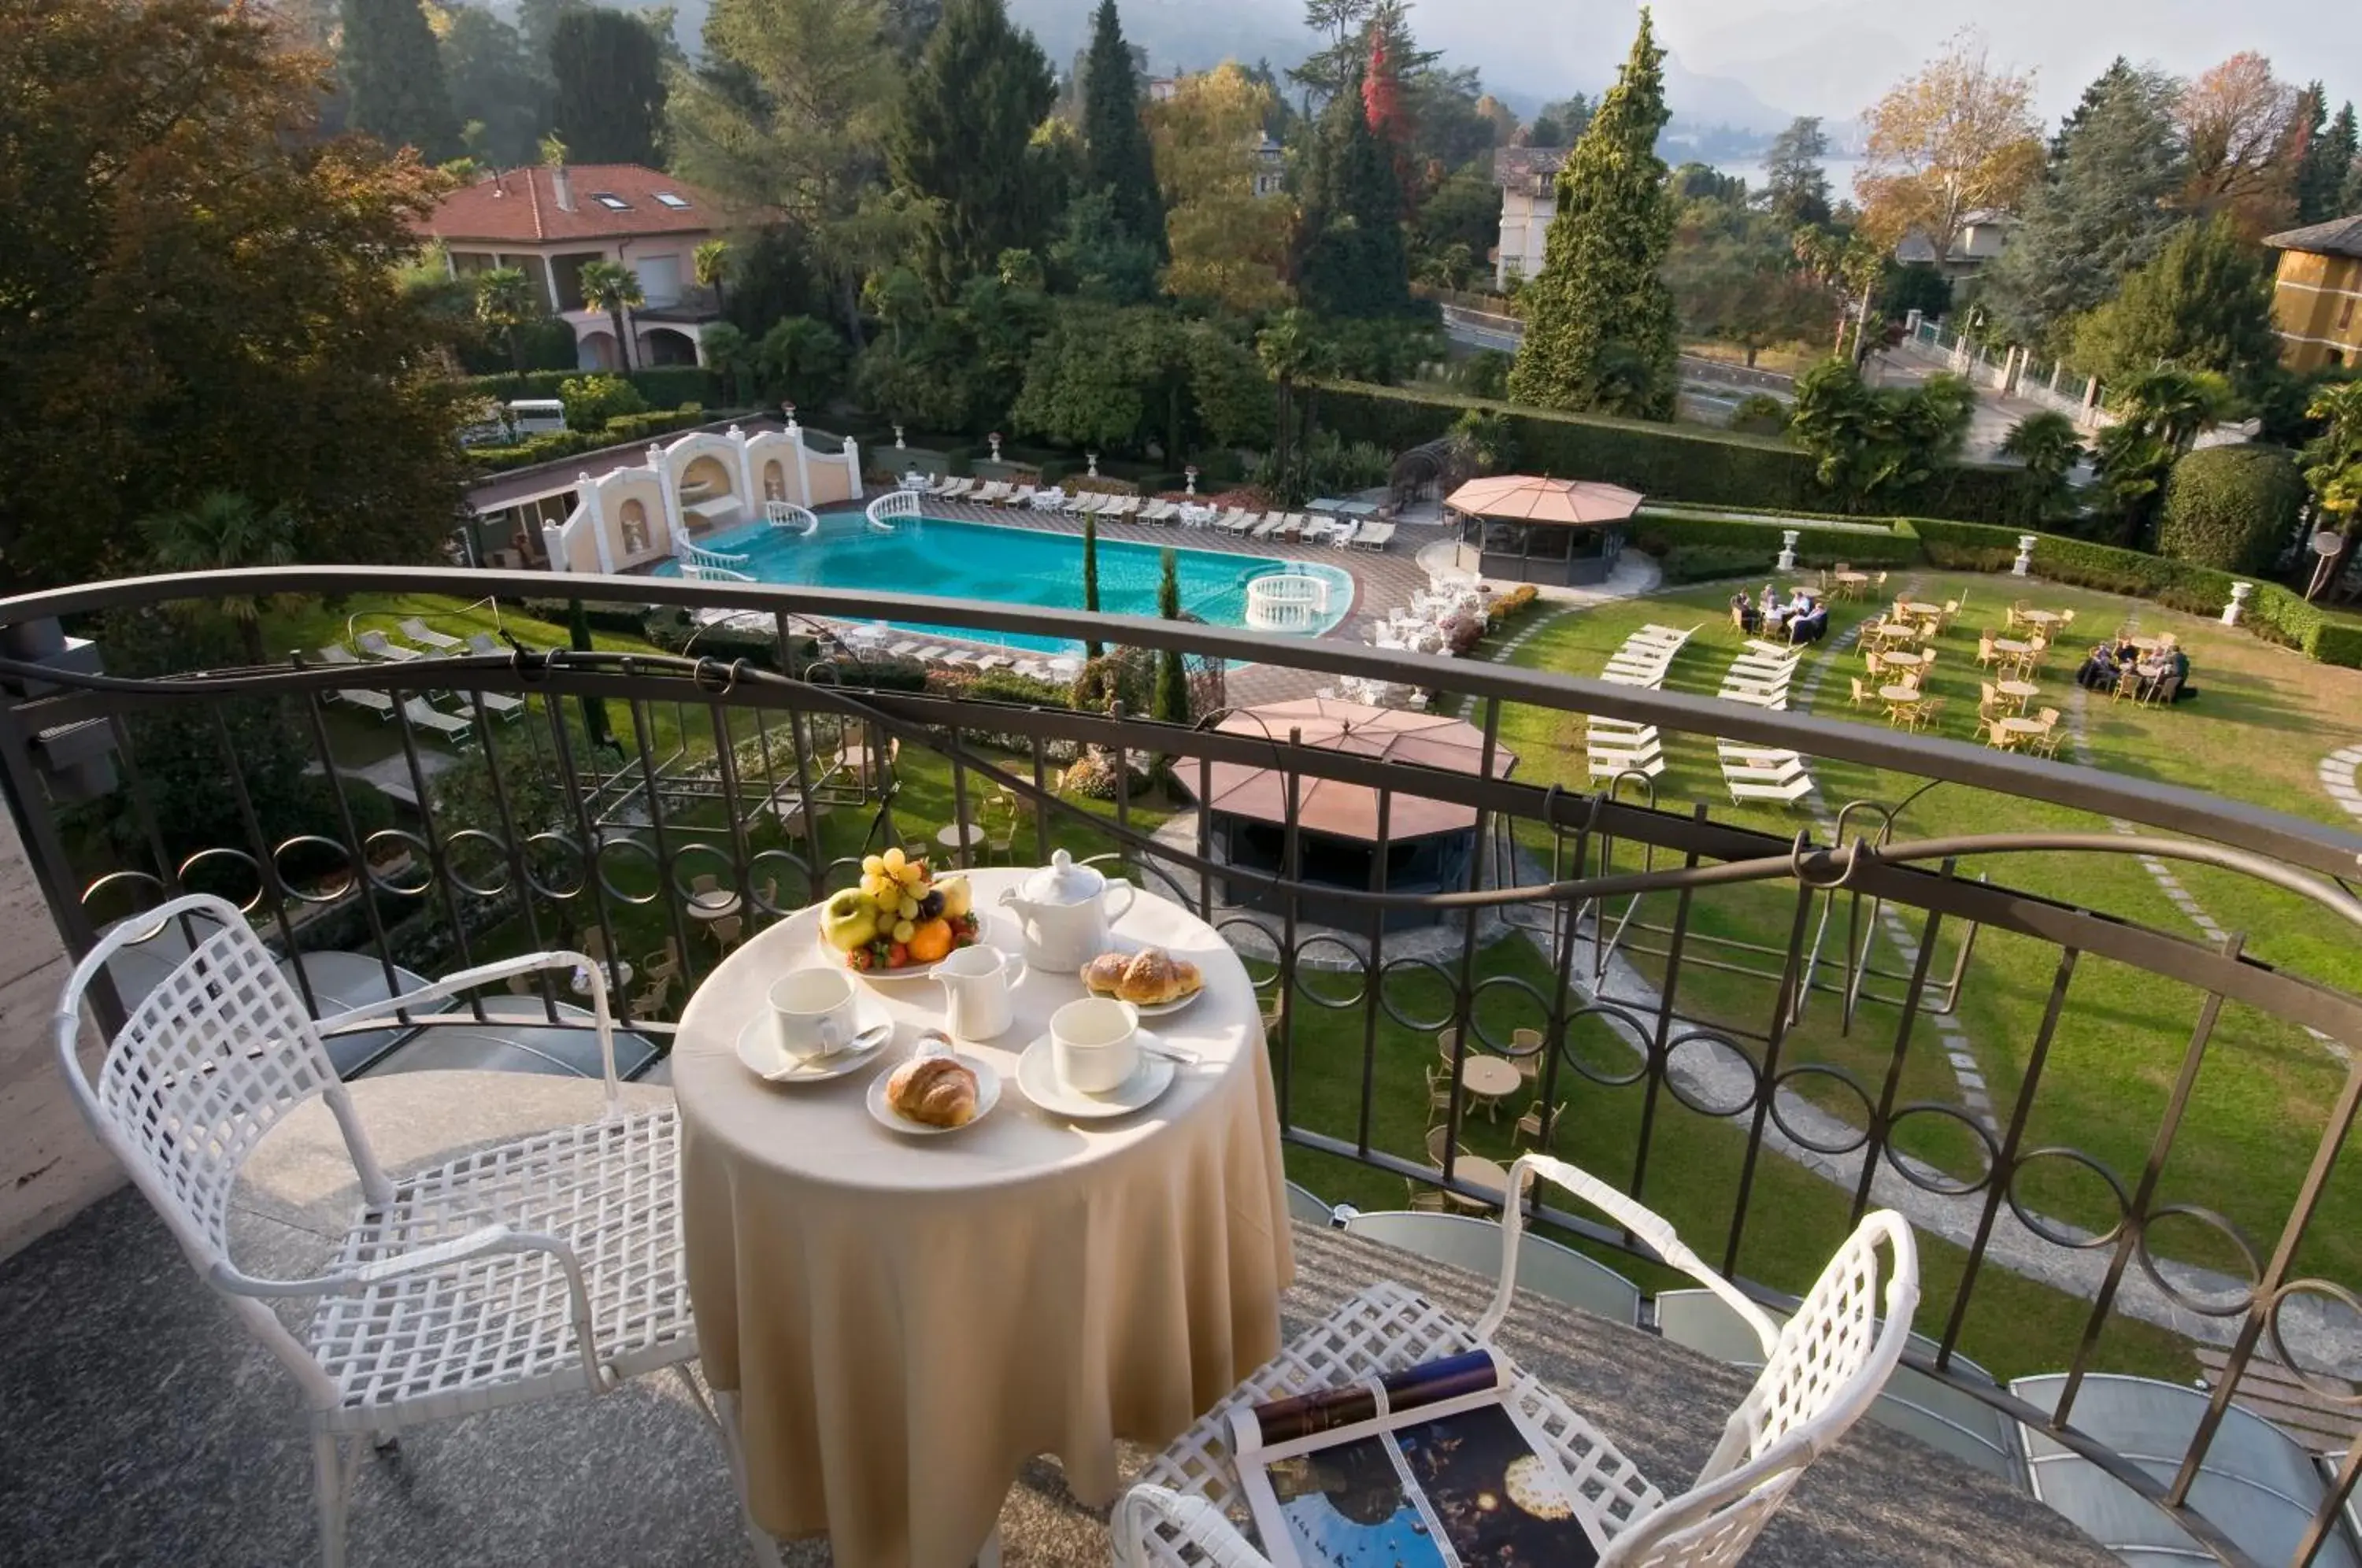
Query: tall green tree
2049	446
1795	185
1355	260
615	288
1172	700
392	76
1116	155
2333	470
610	102
497	89
1092	648
2329	166
1290	351
505	303
1600	331
2102	213
964	145
2204	304
791	111
182	267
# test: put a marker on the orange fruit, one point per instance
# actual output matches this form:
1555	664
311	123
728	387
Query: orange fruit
930	940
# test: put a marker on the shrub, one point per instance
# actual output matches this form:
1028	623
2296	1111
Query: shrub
1759	414
565	443
1705	563
663	386
2231	507
1754	546
1511	607
592	401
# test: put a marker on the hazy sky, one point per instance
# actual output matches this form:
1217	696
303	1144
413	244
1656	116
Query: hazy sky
1833	57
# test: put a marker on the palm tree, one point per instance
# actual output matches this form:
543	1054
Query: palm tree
504	302
615	288
2175	406
728	354
2049	446
711	262
2333	470
223	532
1289	352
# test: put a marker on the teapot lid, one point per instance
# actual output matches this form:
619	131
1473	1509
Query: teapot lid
1063	881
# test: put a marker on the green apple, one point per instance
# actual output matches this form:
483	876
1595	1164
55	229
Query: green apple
848	920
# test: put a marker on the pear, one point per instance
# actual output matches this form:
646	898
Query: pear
958	896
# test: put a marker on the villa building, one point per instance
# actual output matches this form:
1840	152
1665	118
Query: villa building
1984	234
1529	179
2317	300
549	222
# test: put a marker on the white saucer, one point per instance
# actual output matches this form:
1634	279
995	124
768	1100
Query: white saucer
987	1095
1037	1075
764	1058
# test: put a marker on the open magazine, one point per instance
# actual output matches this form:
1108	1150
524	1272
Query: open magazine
1433	1467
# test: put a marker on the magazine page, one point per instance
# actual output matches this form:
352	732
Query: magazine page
1497	1502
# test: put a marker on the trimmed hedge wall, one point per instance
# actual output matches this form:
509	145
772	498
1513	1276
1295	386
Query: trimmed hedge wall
559	444
664	386
1663	461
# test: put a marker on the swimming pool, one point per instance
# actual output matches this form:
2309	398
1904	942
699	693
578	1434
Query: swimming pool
1007	566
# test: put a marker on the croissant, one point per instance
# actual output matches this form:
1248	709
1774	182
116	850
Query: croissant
1150	978
935	1090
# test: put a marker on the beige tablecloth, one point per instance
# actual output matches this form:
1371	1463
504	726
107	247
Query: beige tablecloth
907	1320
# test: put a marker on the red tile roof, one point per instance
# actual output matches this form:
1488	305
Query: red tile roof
521	206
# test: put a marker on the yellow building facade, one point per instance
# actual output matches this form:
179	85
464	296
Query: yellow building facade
2317	298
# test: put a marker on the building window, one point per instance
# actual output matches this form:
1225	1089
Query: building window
611	202
674	200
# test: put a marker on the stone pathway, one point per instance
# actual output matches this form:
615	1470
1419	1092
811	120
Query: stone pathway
2337	771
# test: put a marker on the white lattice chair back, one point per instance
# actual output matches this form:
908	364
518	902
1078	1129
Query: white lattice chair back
206	1065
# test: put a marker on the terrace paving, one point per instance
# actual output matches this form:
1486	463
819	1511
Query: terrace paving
146	1427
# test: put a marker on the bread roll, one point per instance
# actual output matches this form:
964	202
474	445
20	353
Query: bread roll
1154	977
1105	973
936	1091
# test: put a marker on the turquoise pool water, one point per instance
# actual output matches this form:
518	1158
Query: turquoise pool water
1005	566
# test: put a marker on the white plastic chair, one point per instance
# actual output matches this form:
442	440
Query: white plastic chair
548	1266
1820	1373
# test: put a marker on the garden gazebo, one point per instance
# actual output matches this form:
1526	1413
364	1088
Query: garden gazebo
1532	530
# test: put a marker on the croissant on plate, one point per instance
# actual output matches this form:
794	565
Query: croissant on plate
934	1090
1150	978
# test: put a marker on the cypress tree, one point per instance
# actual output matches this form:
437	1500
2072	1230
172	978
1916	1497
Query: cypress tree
392	76
2328	169
1116	155
611	87
1601	332
1172	678
1355	261
965	138
1092	648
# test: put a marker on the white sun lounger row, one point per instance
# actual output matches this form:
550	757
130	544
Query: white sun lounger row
1757	774
1618	747
1761	680
1645	656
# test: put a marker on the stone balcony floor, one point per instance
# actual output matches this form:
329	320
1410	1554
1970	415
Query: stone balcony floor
143	1426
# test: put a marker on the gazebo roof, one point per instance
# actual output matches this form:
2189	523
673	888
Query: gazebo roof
1528	498
1350	811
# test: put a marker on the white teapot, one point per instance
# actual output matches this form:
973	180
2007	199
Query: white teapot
1063	909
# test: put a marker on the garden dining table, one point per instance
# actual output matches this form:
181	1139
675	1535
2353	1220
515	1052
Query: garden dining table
1903	659
2041	619
899	1323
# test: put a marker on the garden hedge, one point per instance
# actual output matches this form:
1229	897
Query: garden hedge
666	386
1666	462
620	431
2230	507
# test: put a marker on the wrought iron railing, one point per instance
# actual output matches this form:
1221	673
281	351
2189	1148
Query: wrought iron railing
1620	930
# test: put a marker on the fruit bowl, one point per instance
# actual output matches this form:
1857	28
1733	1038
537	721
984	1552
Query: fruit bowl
899	921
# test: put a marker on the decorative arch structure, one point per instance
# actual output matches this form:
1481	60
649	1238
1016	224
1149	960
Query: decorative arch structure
695	484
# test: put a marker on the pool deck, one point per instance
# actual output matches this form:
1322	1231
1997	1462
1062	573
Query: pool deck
1383	581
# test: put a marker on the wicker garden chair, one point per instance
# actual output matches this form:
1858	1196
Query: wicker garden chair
1820	1373
544	1266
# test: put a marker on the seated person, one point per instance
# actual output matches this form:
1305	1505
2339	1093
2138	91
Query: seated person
1811	626
1768	606
2166	678
1744	612
2099	669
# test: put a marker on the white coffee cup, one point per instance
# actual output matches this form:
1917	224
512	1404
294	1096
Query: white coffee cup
812	1012
1095	1043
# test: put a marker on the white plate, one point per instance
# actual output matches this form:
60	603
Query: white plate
760	1050
1037	1075
987	1095
1126	944
834	954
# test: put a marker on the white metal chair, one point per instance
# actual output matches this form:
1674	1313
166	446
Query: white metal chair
1820	1373
542	1267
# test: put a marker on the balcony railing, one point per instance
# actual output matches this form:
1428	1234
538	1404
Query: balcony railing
1742	1017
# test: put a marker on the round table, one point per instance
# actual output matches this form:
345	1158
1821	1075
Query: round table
1928	610
2045	619
2009	645
2021	691
950	838
1479	1171
902	1322
2019	729
1903	660
713	903
1489	1078
1901	693
2146	645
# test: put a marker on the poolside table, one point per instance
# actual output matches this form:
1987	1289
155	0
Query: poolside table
2020	691
900	1323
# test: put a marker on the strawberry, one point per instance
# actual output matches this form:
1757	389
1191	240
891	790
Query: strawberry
859	957
896	955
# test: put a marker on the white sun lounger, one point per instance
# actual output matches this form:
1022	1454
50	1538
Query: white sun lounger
1022	496
993	661
1031	668
994	490
960	658
374	644
1786	787
1125	506
1756	758
1777	702
1271	523
1738	681
1374	537
1345	533
499	704
426	636
956	489
336	653
1084	502
1616	765
934	653
419	712
907	649
376	702
1157	511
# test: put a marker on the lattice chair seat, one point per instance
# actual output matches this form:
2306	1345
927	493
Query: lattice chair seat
548	1263
1820	1373
499	1328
